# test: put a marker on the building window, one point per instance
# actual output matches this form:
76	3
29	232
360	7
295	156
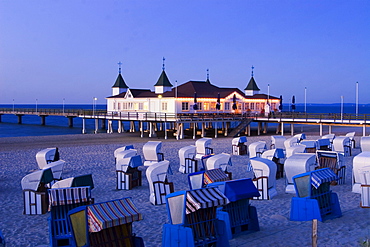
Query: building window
206	106
119	106
164	106
227	106
185	106
258	106
199	106
252	106
141	106
273	106
213	106
246	106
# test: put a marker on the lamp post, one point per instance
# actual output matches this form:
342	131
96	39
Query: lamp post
94	105
305	99
341	108
356	98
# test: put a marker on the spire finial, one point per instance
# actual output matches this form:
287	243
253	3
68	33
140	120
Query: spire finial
119	67
252	70
163	64
207	74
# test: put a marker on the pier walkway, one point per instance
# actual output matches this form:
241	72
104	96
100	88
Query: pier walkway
199	122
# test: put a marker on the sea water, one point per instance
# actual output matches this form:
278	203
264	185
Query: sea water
58	125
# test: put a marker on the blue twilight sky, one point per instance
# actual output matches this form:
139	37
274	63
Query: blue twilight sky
55	49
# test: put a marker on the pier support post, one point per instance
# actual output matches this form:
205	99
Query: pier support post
177	131
259	127
96	126
194	129
203	129
120	126
226	128
292	129
181	130
141	129
84	126
165	130
70	122
43	117
215	129
329	129
19	118
265	128
364	130
282	128
320	129
110	128
249	129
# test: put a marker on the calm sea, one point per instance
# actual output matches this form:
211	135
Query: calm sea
31	125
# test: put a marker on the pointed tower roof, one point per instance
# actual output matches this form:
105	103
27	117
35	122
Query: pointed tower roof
120	83
163	80
252	85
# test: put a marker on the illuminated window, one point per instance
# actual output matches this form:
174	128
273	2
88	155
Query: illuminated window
213	106
252	106
227	106
141	106
164	106
199	106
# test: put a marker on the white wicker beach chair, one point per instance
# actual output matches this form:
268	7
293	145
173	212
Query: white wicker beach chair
46	156
255	149
265	177
365	143
152	152
278	142
342	144
360	164
188	164
159	186
203	147
295	149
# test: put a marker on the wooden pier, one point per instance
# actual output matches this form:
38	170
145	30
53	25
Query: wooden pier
200	123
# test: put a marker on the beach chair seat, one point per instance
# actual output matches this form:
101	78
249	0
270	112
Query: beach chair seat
365	144
34	188
365	188
277	142
222	161
239	146
361	163
342	144
255	149
127	172
193	219
351	136
299	148
200	179
188	163
314	199
46	156
105	224
159	186
242	216
297	164
264	177
152	153
277	156
203	147
334	161
78	181
61	201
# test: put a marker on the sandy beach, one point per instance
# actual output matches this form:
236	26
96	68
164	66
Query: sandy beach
93	154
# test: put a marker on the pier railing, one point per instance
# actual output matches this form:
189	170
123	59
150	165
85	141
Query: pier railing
161	116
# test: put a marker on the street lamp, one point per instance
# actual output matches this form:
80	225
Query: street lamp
94	105
305	99
341	108
63	104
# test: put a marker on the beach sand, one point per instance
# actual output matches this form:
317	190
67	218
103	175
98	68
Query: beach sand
93	154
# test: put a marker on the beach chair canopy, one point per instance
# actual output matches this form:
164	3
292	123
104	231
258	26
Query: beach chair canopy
300	137
186	152
299	163
32	181
238	189
277	153
323	142
351	135
128	147
151	150
278	141
291	142
56	168
66	196
237	140
124	164
185	202
256	148
310	143
201	145
299	148
46	156
331	137
78	181
303	182
264	168
365	144
125	154
218	161
340	142
157	172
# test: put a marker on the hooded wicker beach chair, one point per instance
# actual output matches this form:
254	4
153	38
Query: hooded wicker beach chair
277	155
152	152
255	149
188	163
159	186
361	163
239	146
342	144
128	174
334	161
264	177
46	156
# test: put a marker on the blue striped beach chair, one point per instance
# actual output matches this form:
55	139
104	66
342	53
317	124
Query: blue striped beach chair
105	224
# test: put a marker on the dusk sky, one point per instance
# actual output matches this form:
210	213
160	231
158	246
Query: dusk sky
55	49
